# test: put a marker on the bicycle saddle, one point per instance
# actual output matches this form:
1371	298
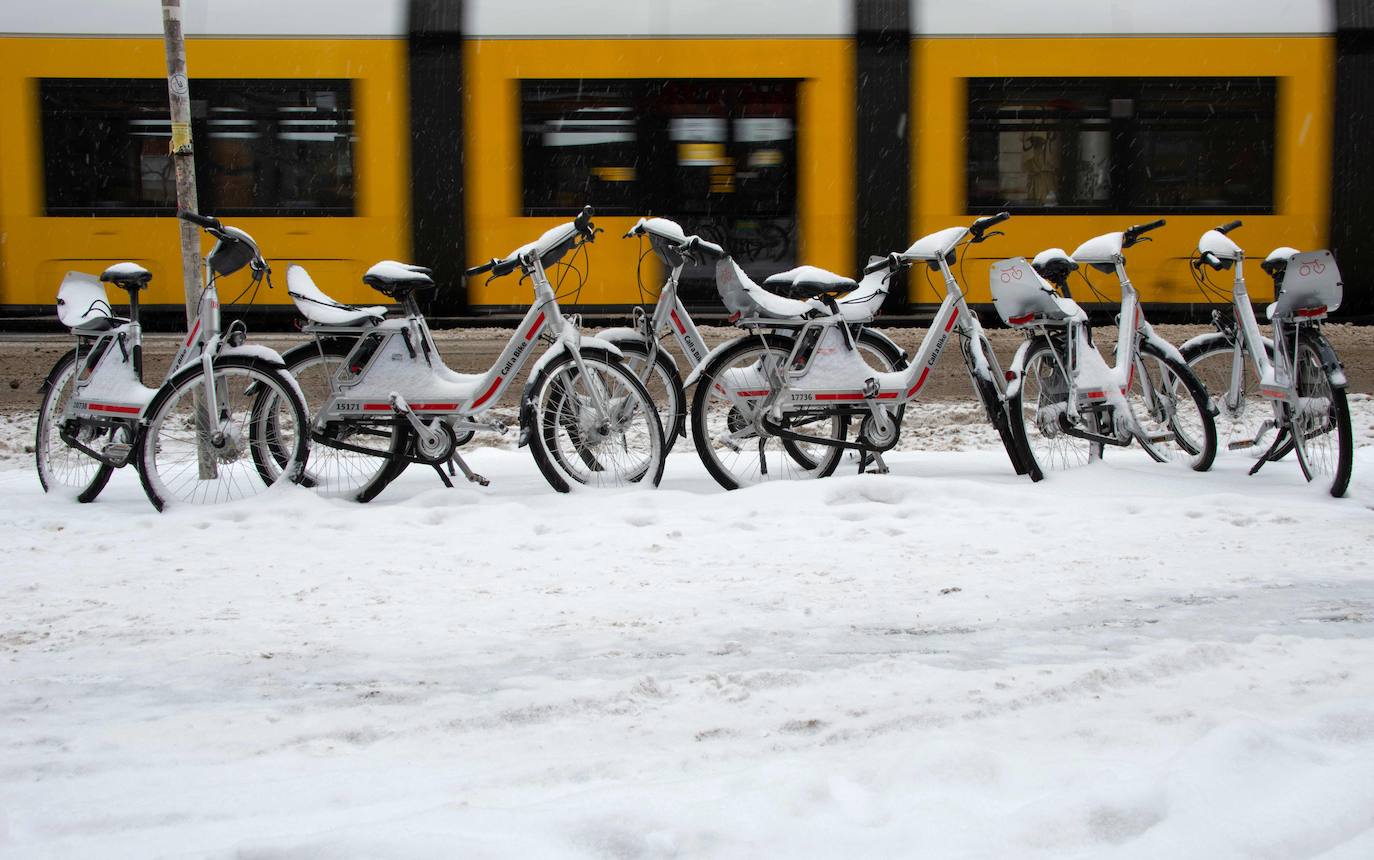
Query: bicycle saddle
1054	265
319	308
808	282
398	280
127	276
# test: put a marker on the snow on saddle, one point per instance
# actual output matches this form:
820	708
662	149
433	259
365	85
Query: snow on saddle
319	308
745	298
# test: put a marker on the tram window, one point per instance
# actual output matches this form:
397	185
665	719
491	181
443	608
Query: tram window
1121	144
689	147
580	143
263	147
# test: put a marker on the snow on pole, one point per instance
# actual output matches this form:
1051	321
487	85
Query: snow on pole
183	157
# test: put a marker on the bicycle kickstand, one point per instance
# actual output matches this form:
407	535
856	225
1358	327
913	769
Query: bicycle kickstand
879	465
1279	439
467	473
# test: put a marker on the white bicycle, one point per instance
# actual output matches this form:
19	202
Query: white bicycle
227	422
1067	404
382	398
771	407
1295	399
657	367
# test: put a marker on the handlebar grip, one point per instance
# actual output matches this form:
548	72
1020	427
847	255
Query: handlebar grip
583	222
1131	235
999	218
207	221
477	270
1229	226
879	265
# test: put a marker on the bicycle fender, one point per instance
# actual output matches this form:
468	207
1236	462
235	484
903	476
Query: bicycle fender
709	359
633	336
46	386
537	373
1018	366
1331	362
252	350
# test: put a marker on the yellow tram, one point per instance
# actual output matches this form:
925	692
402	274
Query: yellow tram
340	132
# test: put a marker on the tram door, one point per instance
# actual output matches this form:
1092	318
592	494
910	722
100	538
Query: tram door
731	174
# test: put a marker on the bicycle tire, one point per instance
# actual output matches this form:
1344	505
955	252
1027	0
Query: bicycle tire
1242	428
746	352
664	383
336	471
1322	409
1192	432
574	443
173	437
995	405
1037	422
62	469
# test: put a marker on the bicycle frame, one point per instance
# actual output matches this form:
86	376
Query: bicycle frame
824	370
378	378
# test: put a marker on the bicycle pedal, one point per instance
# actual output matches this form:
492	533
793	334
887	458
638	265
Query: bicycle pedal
117	453
479	480
1241	444
1160	437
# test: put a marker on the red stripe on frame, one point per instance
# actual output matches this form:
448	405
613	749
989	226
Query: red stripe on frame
192	336
433	407
954	316
490	391
534	330
376	407
917	387
108	407
677	322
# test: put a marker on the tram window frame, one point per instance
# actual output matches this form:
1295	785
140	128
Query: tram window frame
1137	116
81	116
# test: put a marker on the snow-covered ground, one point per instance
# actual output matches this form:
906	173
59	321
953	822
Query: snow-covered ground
1129	660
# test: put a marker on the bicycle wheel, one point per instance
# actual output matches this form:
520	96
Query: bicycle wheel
728	395
62	469
1172	409
597	428
664	383
1038	409
186	458
1321	422
347	458
1244	421
995	407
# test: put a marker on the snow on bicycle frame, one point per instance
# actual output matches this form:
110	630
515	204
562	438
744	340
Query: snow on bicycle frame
824	371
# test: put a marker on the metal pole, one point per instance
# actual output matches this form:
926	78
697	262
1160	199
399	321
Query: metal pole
183	157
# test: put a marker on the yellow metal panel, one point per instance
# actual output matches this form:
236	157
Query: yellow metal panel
381	163
493	68
1302	159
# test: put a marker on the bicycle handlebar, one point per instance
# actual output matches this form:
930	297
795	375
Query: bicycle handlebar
1228	227
1132	235
209	222
891	262
980	226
